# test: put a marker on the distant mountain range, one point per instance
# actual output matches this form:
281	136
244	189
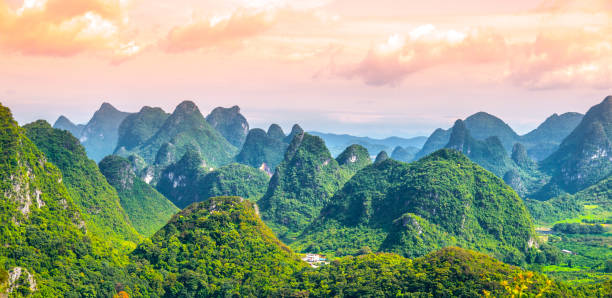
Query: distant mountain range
338	142
200	206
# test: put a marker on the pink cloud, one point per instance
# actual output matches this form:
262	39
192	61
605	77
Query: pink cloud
214	32
427	47
61	27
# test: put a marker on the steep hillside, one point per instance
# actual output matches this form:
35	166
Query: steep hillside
147	209
436	141
64	123
412	209
46	249
97	201
354	158
189	181
186	129
139	127
263	150
585	156
230	123
483	125
100	134
301	186
217	248
546	138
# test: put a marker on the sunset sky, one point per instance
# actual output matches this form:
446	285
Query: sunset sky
376	68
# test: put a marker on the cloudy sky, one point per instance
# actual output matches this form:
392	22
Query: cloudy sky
375	68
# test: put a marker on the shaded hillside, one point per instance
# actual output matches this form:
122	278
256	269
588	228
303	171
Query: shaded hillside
585	156
100	134
147	209
412	209
230	123
96	199
301	186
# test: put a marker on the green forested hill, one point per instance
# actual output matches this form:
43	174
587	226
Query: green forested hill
301	186
100	134
263	150
546	138
441	200
47	247
230	123
96	199
137	128
186	129
147	209
585	156
188	181
216	248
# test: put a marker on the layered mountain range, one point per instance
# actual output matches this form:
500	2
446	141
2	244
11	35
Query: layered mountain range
194	206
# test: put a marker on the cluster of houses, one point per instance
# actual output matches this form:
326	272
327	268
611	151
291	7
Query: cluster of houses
315	260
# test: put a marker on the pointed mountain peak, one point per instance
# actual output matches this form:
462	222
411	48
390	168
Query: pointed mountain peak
63	121
276	132
354	156
483	116
107	107
296	129
519	155
459	136
186	107
382	156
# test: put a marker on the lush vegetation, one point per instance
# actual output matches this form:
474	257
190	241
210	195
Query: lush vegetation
577	228
139	127
46	244
218	247
583	158
188	181
185	129
546	138
147	209
261	149
302	184
96	199
412	209
230	123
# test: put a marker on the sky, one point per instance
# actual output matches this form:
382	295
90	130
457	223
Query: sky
375	68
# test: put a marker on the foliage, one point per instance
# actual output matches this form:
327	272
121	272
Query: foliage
576	228
137	128
188	181
583	158
451	272
302	184
443	199
263	148
43	231
546	138
88	188
218	247
147	209
185	129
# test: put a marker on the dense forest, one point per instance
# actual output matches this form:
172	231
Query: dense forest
186	205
